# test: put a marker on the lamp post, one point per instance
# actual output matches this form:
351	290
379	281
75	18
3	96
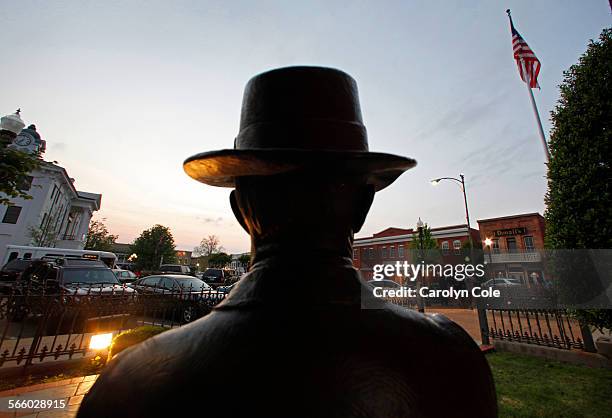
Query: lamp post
488	242
420	304
461	181
482	316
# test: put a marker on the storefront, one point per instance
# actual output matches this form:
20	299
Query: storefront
513	247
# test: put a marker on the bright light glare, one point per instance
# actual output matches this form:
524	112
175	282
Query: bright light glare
488	242
100	341
435	182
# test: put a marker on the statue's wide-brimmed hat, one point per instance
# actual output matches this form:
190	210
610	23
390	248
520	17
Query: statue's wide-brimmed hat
299	118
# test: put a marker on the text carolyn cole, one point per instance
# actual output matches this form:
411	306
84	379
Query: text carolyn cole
425	292
411	271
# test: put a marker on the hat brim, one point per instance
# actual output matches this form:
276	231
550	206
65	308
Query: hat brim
220	168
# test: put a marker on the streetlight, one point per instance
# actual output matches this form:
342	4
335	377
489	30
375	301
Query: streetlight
482	316
488	242
420	304
461	181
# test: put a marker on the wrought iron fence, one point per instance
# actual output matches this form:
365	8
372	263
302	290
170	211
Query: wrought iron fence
546	327
37	327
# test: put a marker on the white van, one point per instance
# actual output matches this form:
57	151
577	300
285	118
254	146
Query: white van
23	252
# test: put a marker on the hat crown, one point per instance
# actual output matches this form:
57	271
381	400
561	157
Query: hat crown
300	93
302	108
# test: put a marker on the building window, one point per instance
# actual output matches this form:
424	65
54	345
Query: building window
511	244
529	243
355	254
384	252
445	247
11	215
371	253
495	246
400	251
457	246
391	252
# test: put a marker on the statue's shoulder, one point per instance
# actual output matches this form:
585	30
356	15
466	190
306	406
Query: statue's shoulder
429	327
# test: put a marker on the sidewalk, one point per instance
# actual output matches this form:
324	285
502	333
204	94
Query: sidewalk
70	390
465	318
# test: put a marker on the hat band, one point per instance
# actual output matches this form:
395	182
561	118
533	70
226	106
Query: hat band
310	134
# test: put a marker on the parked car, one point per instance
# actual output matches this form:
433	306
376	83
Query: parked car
174	269
13	269
125	266
191	296
68	276
219	277
88	288
502	282
125	276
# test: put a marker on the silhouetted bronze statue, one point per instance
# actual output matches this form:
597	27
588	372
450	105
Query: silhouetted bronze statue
292	338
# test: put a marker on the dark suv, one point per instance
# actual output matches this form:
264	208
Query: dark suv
219	277
88	288
68	276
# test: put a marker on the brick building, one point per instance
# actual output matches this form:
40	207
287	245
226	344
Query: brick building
516	244
393	244
183	257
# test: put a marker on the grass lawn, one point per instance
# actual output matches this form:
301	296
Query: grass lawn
534	387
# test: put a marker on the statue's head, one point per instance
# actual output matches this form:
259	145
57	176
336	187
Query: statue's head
300	162
300	204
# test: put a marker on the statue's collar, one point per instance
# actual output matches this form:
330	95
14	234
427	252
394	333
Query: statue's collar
296	281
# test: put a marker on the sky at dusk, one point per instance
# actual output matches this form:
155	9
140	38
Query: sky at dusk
123	92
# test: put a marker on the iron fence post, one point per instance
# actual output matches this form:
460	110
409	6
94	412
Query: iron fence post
484	326
587	338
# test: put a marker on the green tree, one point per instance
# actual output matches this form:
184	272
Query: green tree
430	246
98	237
15	166
209	245
152	246
219	259
579	204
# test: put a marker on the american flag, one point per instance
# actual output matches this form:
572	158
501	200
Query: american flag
528	64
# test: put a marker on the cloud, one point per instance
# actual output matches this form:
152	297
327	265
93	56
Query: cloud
461	117
209	220
493	160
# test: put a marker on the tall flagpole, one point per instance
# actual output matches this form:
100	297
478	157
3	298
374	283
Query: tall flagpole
538	120
533	105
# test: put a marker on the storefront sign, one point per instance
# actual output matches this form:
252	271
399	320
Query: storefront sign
510	232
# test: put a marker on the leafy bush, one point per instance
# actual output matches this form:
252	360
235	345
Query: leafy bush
600	319
132	337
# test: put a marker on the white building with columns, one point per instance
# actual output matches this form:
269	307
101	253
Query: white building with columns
58	214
